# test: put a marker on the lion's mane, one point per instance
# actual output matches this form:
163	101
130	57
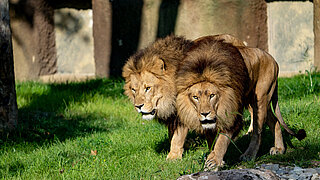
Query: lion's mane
222	65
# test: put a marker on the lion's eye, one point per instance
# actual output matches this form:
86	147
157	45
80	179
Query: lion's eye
195	97
148	88
133	90
211	96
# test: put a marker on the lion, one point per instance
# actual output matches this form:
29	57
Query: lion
150	84
150	79
215	82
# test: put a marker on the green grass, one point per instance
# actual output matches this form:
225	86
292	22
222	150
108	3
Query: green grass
91	131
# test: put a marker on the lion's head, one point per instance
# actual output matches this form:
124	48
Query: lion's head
149	77
210	86
152	94
204	97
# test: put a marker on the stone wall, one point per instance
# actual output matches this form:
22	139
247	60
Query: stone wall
67	45
246	19
74	41
291	37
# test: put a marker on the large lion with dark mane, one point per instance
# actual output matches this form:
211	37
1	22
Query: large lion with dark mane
215	82
150	84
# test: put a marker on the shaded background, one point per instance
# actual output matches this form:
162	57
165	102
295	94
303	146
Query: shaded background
67	40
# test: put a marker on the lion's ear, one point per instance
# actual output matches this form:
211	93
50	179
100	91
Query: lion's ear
159	65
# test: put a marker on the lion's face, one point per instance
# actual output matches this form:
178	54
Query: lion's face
204	97
150	95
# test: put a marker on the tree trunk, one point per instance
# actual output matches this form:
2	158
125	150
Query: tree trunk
102	27
8	103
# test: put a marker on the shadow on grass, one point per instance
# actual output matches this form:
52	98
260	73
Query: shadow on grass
42	119
295	155
232	155
14	168
193	141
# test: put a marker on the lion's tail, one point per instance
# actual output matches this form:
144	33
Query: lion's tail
301	134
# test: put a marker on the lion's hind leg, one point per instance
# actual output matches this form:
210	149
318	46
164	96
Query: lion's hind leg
275	127
255	141
274	124
260	115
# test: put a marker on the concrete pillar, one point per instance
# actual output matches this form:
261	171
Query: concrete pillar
33	39
44	36
102	33
316	26
254	25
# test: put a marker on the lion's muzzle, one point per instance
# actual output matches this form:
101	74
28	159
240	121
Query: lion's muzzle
208	123
153	112
148	115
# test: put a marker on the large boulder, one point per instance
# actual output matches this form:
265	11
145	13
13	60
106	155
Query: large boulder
234	174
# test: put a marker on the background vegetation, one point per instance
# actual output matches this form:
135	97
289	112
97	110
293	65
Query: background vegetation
91	131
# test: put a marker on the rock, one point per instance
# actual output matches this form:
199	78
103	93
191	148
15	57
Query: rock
318	170
297	169
235	174
280	172
315	177
310	170
266	166
293	176
292	173
307	176
288	168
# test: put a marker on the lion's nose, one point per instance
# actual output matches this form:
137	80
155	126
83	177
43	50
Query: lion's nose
205	114
139	106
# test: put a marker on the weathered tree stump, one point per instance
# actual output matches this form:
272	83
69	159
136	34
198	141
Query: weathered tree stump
234	174
8	103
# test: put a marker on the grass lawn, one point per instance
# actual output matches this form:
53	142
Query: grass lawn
91	131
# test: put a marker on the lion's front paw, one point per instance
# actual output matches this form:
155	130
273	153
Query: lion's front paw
275	150
174	155
212	165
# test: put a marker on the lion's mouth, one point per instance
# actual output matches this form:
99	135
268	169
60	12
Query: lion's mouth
153	112
148	115
208	121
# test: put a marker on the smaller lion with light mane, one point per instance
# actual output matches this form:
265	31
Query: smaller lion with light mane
215	82
150	79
